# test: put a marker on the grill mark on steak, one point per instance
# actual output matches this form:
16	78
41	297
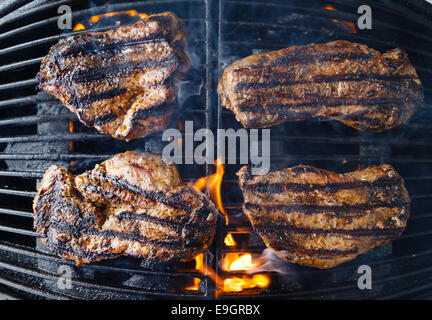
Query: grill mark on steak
90	47
119	71
95	212
72	229
343	81
175	225
322	79
301	57
355	211
321	102
98	73
106	118
345	211
376	232
155	111
174	200
86	100
322	253
59	250
383	182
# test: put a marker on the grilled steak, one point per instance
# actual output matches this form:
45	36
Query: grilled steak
319	218
120	81
132	204
339	80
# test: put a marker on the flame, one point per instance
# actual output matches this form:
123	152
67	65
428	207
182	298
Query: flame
329	7
195	286
213	183
229	240
199	265
71	130
199	261
235	261
71	144
78	26
96	18
206	270
133	13
232	262
350	25
237	284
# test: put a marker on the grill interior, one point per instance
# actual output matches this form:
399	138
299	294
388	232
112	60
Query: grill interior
37	131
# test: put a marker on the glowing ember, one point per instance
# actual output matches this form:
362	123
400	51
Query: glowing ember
71	144
229	240
132	13
94	19
350	25
329	7
199	261
71	130
237	284
78	26
195	286
213	184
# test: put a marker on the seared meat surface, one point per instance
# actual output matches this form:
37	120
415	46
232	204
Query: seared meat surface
132	204
339	80
319	218
120	81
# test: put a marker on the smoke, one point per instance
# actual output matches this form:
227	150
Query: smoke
270	262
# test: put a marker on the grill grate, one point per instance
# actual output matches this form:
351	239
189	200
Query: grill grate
222	31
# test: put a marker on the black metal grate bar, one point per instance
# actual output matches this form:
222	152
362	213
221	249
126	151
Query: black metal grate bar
25	288
16	212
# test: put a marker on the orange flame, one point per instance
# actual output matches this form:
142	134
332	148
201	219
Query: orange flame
199	265
71	144
235	261
213	183
78	26
71	130
195	286
229	240
350	25
132	13
96	18
231	262
237	284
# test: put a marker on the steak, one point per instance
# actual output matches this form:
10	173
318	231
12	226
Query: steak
120	81
132	204
339	80
320	219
